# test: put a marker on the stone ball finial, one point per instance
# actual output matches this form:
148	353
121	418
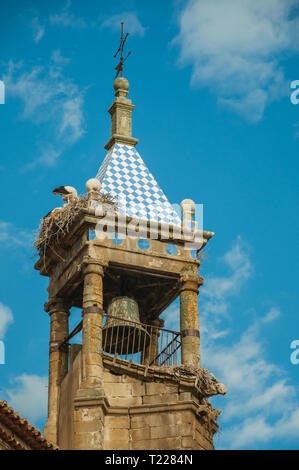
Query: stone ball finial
188	212
121	83
188	204
93	184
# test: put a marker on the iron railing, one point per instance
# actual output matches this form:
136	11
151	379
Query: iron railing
141	343
137	342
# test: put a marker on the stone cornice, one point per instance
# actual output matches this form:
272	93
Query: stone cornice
121	139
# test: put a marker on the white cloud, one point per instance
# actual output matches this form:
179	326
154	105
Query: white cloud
271	315
48	96
132	24
234	47
66	18
48	157
11	235
38	30
72	117
6	318
257	430
28	395
172	316
58	58
261	404
217	290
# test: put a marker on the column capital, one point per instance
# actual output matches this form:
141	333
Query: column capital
56	304
93	265
159	322
191	284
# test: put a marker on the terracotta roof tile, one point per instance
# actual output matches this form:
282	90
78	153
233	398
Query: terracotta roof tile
20	426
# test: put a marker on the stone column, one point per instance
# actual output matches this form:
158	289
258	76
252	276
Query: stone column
152	349
189	322
90	399
92	325
58	363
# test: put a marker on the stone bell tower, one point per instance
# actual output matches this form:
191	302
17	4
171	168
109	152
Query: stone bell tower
121	255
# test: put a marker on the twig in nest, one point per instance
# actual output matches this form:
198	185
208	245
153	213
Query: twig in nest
58	222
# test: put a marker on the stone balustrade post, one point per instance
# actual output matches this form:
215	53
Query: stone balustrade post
189	321
58	363
90	401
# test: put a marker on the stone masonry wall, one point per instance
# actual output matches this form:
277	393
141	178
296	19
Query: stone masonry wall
151	415
141	414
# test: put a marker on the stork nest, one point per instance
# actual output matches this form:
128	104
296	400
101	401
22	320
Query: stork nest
58	222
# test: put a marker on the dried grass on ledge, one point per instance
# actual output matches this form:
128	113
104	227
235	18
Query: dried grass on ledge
204	379
58	222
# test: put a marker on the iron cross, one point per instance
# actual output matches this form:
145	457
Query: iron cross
123	39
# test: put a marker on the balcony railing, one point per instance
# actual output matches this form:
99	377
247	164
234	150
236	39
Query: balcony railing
141	343
137	342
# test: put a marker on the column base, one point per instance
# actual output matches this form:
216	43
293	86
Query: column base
51	432
90	405
94	396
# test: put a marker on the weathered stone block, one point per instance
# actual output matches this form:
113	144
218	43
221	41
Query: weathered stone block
130	379
138	389
118	390
153	419
117	421
155	388
140	434
201	439
157	444
186	429
170	443
116	445
186	416
117	434
142	445
190	443
90	426
161	398
111	378
185	396
123	401
139	421
88	441
158	432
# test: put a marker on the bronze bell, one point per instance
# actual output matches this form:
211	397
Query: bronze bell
123	333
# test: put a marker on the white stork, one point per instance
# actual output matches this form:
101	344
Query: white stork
68	193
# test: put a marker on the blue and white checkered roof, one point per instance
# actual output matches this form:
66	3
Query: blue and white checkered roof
124	175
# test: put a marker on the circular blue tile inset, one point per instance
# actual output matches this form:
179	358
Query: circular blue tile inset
116	239
171	249
91	235
143	244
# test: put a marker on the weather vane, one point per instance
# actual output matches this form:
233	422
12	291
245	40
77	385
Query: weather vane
123	39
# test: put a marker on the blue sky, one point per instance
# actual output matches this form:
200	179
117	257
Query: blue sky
211	85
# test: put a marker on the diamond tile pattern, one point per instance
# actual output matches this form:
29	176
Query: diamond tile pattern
125	176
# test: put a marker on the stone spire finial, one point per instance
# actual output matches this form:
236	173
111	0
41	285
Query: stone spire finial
121	115
121	86
188	213
93	187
